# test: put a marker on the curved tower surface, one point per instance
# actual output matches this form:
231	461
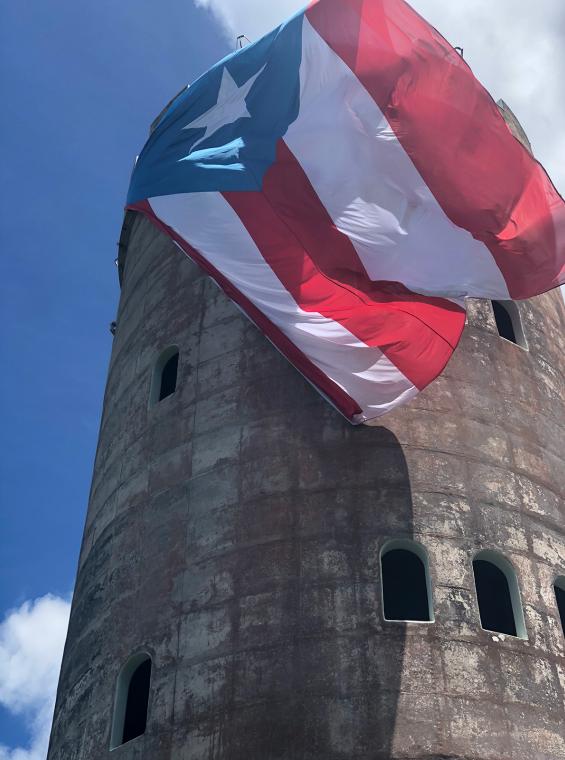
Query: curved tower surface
234	536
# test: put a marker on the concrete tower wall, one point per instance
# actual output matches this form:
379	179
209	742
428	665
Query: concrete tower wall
234	531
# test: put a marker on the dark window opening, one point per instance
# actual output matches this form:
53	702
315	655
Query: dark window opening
169	377
493	595
405	588
504	322
135	718
560	597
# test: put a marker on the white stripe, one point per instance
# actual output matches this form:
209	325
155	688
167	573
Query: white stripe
373	192
210	225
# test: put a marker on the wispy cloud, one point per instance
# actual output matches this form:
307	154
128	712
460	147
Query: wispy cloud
516	50
31	646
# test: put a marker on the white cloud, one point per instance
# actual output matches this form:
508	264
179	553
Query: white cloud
31	647
515	49
250	17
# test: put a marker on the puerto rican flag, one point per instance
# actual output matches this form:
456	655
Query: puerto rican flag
348	183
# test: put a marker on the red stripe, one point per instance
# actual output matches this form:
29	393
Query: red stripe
484	179
320	268
346	405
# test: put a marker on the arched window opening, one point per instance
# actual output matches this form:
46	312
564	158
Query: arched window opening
164	382
508	322
559	589
405	582
498	595
132	699
169	377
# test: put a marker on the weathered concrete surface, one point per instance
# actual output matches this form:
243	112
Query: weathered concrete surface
234	530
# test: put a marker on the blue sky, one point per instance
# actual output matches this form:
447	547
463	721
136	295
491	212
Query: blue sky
80	83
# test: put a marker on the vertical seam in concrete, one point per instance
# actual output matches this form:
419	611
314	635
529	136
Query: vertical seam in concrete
188	494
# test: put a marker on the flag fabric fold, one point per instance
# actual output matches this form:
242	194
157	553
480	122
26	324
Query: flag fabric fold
348	182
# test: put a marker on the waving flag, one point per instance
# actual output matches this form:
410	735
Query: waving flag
348	183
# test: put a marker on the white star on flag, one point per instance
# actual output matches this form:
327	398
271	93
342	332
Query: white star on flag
230	106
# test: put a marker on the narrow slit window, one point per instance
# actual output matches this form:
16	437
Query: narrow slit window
165	375
169	377
406	587
498	595
508	322
135	718
559	589
132	700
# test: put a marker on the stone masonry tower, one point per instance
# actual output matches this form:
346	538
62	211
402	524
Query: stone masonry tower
250	560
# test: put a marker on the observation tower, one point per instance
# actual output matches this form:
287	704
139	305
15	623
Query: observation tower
260	580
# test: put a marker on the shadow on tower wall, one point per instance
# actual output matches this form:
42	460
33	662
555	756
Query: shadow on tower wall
313	671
